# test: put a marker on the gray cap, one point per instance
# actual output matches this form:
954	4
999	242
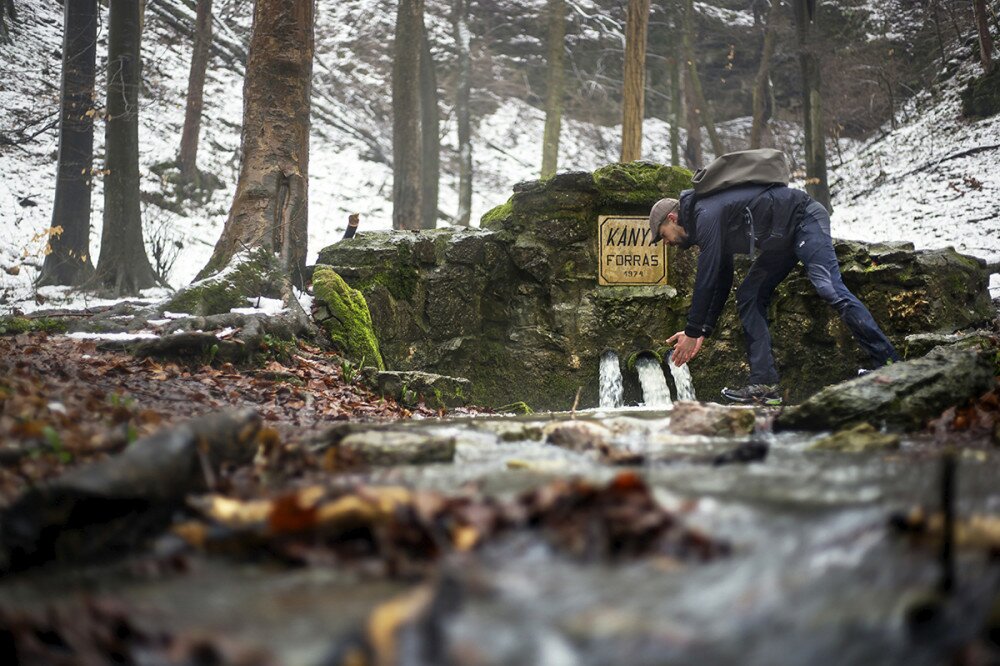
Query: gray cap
658	214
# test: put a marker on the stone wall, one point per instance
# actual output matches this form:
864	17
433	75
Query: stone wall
515	306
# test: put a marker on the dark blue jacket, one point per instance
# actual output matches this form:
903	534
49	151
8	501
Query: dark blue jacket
718	224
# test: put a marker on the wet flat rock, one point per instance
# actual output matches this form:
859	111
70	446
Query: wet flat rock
858	439
411	387
902	396
710	419
393	447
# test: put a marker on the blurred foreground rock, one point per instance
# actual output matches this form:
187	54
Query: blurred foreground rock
857	439
105	507
697	418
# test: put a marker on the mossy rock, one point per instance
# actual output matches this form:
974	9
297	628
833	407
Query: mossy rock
919	344
901	396
412	387
642	183
389	259
859	439
516	307
343	314
12	325
498	216
248	276
981	98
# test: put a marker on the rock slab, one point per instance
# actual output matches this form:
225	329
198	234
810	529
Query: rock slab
412	387
902	396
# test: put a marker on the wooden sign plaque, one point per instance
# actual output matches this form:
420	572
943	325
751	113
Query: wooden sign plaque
627	258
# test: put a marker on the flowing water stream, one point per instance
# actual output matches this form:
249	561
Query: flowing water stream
612	394
815	576
655	392
682	380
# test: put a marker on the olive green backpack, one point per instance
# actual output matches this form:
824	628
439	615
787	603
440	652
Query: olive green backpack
762	165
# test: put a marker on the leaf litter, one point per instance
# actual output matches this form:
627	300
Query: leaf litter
66	403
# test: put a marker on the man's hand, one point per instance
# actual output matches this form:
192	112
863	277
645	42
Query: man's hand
685	348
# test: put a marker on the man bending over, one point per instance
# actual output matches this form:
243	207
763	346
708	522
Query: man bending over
787	226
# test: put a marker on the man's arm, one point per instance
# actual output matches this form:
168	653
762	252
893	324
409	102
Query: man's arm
706	284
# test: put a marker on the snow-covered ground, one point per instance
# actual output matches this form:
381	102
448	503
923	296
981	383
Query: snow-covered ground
949	202
934	180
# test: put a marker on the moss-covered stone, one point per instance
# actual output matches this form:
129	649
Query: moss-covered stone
496	216
902	396
12	325
860	438
516	308
387	259
981	98
343	313
412	387
248	276
639	182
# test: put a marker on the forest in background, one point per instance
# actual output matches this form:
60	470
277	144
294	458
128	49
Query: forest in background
708	71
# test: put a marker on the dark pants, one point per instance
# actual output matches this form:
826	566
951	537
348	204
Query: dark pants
813	247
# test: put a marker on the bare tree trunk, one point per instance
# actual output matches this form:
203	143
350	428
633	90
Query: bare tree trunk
69	261
8	13
693	154
460	25
949	7
271	205
937	32
407	180
762	82
430	136
675	104
815	137
123	267
554	88
634	90
985	39
188	158
702	111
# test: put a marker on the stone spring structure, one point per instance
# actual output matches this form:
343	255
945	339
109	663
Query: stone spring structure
515	306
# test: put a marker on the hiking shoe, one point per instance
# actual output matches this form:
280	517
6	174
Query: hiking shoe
761	394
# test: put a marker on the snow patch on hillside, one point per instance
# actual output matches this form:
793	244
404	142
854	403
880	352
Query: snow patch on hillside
934	180
907	185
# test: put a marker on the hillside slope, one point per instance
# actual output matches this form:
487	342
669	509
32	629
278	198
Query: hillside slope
934	205
934	180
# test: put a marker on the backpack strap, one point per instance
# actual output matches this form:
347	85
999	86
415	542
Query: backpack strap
748	219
